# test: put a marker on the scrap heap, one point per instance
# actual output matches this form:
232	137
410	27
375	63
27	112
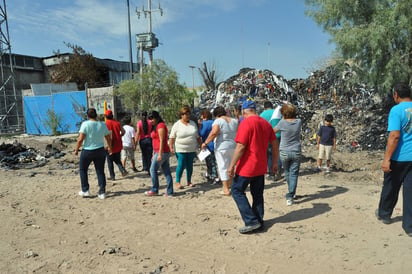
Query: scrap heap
360	115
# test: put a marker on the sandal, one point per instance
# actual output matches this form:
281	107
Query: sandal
190	185
179	186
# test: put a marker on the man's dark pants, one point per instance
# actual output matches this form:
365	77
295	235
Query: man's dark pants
401	174
251	215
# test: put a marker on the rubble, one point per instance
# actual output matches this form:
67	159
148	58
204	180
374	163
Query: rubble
360	115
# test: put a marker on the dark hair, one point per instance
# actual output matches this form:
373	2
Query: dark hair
267	104
219	111
402	89
155	115
144	122
127	120
206	114
237	111
329	118
91	113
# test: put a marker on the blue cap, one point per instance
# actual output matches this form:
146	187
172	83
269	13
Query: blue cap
248	104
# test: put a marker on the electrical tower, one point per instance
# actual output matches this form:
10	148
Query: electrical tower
147	41
10	120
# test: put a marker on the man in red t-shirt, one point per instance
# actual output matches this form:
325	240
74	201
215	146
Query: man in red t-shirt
116	131
250	158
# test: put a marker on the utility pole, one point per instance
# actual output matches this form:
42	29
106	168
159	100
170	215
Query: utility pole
149	11
130	41
148	41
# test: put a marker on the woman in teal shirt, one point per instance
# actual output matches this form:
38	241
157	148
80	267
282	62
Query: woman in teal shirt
91	135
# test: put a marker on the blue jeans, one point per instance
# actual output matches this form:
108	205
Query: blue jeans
164	163
114	157
291	164
270	160
251	215
147	151
98	157
401	174
184	161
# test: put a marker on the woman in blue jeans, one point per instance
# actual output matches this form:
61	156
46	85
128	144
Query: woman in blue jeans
161	155
91	136
290	148
143	131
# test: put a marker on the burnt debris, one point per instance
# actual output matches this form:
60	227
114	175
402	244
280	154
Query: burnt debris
19	156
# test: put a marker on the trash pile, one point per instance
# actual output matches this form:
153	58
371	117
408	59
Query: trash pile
18	156
360	115
260	85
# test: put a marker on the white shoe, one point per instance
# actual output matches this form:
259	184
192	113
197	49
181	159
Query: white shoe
327	170
102	196
84	194
289	202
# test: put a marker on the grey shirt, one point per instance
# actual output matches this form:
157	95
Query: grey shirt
289	135
226	137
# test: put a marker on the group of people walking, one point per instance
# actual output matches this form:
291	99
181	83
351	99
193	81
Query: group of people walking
101	141
242	151
240	142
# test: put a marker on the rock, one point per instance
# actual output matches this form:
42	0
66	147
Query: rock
30	254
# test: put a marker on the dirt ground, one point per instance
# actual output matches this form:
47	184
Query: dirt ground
47	228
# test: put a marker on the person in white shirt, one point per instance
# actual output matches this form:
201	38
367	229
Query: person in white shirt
184	140
223	133
129	144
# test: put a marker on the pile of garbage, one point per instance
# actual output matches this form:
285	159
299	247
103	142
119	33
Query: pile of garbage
360	115
18	156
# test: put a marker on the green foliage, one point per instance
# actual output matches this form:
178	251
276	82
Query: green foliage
158	89
81	68
53	121
376	35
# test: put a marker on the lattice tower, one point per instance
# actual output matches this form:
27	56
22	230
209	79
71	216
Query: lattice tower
10	119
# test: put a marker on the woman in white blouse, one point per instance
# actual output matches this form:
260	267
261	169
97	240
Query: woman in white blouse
184	140
223	133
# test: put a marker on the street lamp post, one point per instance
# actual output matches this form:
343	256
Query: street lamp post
193	82
193	77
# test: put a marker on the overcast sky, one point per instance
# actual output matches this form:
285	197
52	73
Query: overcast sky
229	34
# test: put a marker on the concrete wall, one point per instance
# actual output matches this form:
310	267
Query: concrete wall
97	96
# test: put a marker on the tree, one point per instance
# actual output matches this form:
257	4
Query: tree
376	35
81	68
157	88
209	76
